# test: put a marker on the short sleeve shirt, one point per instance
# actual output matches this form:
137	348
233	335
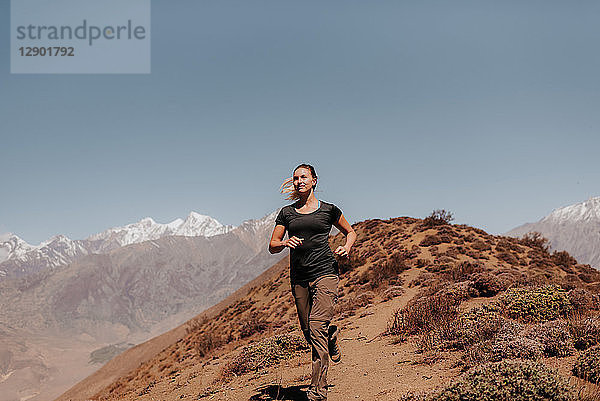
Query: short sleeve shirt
314	257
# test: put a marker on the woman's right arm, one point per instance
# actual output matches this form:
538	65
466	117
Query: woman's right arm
277	243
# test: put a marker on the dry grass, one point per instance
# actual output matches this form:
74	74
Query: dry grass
584	329
438	217
424	315
253	324
264	353
388	272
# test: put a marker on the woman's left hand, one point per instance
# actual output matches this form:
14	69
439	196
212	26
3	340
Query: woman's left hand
341	251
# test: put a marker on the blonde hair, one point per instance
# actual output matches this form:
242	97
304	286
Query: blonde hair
287	187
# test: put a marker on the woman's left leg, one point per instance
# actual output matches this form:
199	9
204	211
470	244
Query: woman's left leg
323	298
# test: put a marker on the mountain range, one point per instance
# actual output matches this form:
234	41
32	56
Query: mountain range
18	258
574	228
65	301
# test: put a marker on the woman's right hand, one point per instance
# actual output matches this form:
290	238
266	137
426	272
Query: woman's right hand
293	242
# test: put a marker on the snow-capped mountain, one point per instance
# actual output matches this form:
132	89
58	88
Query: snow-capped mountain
21	258
14	246
197	223
584	212
259	225
147	229
18	258
256	233
574	228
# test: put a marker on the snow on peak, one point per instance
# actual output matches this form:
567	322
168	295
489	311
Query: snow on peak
60	250
56	239
586	211
143	230
13	246
198	224
258	224
198	216
147	229
175	223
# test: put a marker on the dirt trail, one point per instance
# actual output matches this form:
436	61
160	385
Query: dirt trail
372	367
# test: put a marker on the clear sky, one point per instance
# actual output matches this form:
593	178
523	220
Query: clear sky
489	109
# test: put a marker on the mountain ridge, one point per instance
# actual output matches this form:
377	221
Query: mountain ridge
20	258
574	228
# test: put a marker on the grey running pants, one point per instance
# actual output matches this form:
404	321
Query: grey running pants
315	301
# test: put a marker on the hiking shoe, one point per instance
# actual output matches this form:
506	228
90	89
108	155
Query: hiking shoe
334	350
312	396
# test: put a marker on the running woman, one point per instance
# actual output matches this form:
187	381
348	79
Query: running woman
313	268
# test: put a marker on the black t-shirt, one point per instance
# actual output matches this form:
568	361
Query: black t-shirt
314	257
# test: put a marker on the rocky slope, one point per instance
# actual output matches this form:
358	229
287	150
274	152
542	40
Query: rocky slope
574	228
394	262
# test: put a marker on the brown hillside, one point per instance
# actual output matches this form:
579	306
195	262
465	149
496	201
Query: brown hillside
395	263
134	357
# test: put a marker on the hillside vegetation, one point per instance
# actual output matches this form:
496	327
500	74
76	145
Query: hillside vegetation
428	310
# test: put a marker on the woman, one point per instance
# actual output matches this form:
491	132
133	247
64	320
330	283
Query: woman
313	268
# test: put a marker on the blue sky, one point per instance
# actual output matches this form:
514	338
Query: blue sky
488	109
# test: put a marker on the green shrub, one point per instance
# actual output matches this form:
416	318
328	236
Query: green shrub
563	258
265	353
508	381
583	300
509	330
517	347
535	240
206	342
438	217
252	324
478	353
483	313
588	365
555	337
543	303
585	332
478	325
506	343
487	284
431	240
388	272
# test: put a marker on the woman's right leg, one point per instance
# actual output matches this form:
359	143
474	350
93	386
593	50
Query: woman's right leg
315	304
302	298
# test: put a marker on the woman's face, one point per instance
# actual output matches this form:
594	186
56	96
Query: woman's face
303	180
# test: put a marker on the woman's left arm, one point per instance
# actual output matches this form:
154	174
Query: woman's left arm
343	225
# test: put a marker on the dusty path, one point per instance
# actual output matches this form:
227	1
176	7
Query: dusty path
372	367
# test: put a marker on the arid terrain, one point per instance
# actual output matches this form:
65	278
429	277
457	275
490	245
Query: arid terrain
60	324
422	303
